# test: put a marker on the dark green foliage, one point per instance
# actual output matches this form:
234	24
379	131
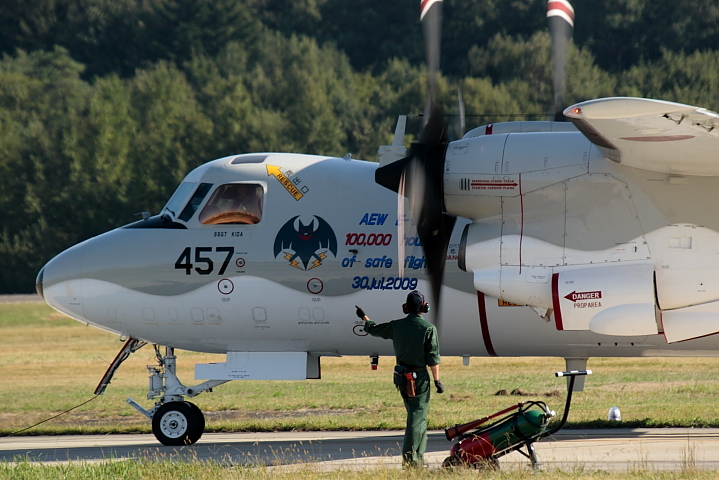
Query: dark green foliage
182	29
106	104
623	33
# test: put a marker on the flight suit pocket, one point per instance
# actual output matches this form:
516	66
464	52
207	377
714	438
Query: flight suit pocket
400	378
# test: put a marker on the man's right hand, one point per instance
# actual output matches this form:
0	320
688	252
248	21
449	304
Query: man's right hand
360	313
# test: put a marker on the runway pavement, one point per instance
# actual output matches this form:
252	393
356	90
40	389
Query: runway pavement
613	450
20	298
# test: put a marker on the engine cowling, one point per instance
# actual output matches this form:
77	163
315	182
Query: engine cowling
479	171
611	300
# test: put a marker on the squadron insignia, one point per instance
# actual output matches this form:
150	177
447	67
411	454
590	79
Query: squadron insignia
305	246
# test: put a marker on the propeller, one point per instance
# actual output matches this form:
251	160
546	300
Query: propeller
560	16
419	174
461	123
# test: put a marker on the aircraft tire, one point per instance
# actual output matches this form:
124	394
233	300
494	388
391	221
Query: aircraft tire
178	423
200	419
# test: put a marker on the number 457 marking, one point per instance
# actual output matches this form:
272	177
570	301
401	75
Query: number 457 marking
184	262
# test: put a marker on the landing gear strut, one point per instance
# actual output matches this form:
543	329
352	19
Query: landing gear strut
174	421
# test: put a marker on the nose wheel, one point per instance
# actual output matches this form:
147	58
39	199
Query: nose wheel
174	421
178	423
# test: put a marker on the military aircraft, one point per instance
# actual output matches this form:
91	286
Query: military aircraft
595	238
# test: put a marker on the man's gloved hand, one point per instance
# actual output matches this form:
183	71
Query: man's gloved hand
360	313
440	387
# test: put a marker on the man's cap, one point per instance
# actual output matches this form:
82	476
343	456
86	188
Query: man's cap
415	300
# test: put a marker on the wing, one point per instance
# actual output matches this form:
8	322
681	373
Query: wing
651	134
286	236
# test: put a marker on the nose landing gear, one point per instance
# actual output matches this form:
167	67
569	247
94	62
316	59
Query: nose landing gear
174	421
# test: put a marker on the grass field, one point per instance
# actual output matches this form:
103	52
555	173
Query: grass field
49	364
134	470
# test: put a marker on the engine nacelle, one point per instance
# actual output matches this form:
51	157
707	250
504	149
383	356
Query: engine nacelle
554	228
611	300
479	171
609	292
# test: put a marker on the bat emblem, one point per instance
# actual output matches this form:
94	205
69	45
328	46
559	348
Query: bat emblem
305	245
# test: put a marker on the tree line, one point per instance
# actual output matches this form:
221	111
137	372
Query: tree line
105	105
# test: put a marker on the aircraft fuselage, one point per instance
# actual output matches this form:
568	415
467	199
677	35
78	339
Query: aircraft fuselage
326	239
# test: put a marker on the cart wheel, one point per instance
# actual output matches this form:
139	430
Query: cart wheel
489	464
453	461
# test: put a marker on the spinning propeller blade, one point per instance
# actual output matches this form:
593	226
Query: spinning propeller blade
419	176
421	171
560	16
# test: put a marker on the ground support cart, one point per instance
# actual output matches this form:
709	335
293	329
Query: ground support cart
480	445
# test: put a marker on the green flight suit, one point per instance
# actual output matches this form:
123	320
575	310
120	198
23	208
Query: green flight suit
416	347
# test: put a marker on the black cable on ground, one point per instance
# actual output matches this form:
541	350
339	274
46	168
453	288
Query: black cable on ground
51	418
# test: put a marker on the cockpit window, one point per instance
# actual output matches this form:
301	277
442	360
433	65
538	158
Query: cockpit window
235	203
195	201
179	198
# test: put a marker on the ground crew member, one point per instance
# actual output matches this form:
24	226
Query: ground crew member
416	348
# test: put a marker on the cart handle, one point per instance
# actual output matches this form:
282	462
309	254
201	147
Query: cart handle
573	373
452	432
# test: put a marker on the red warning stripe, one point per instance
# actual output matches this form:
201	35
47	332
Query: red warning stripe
484	324
424	6
556	302
561	8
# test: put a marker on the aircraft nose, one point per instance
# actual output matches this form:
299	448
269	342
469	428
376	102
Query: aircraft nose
59	282
38	283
